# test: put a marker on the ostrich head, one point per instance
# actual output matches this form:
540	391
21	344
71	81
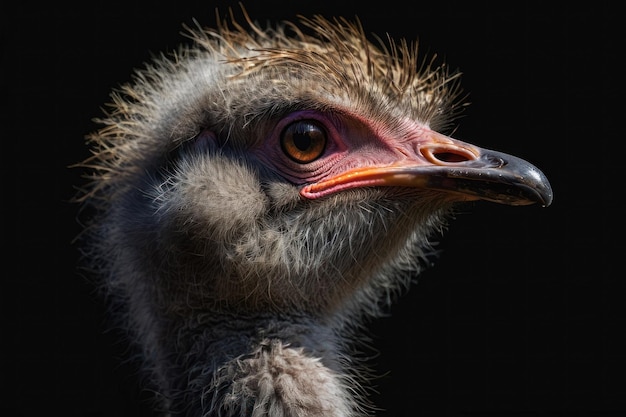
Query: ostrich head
258	194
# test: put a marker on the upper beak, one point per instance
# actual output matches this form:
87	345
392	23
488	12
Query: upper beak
462	170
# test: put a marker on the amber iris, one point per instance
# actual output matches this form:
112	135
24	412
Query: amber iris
303	141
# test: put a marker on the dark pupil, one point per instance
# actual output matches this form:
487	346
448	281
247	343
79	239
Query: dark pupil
302	136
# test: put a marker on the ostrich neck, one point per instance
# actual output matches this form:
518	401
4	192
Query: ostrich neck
272	365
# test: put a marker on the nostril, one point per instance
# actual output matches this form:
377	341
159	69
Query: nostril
449	157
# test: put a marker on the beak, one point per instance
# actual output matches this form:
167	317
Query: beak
461	170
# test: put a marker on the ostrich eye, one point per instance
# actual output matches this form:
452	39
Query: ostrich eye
303	141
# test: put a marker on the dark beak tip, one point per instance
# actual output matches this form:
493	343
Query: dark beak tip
531	183
547	198
542	187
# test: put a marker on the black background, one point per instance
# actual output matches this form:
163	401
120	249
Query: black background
524	314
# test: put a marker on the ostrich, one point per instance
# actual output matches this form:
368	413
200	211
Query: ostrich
255	198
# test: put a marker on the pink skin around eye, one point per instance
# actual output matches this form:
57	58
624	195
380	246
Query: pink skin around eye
361	153
352	143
